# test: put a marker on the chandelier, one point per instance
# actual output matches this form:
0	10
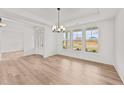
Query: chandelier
2	24
58	28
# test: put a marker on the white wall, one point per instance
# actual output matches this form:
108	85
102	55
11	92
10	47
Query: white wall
0	45
28	41
15	37
106	44
39	40
11	37
11	41
119	44
50	42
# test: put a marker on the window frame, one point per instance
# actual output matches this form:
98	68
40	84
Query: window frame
83	41
97	41
64	40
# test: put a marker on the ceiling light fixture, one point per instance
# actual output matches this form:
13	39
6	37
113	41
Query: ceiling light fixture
1	23
58	28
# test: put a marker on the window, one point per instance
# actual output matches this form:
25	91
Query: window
92	40
64	41
77	40
86	40
67	41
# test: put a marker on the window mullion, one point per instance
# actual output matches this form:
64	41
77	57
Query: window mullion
83	41
66	40
71	39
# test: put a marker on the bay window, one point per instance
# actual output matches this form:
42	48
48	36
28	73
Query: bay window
84	40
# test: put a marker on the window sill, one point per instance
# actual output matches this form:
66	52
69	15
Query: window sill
70	50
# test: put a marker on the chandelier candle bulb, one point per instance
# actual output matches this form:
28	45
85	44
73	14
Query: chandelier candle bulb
58	28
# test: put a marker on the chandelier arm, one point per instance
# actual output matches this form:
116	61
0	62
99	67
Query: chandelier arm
58	17
58	28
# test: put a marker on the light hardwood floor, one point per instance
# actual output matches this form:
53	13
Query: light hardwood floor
58	69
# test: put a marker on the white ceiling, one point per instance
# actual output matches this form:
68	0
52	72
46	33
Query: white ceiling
66	14
48	16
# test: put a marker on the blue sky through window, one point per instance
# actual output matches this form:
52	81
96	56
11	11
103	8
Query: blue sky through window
92	34
77	35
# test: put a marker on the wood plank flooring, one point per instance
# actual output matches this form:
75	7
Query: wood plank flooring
58	69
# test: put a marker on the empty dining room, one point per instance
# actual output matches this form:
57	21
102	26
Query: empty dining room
61	46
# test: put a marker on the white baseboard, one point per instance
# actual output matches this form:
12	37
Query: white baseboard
12	51
50	54
28	52
84	58
119	73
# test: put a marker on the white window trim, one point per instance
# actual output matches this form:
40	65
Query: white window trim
83	42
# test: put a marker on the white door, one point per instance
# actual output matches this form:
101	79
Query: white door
39	41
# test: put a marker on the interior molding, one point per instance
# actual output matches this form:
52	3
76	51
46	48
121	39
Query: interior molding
23	18
82	17
86	23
